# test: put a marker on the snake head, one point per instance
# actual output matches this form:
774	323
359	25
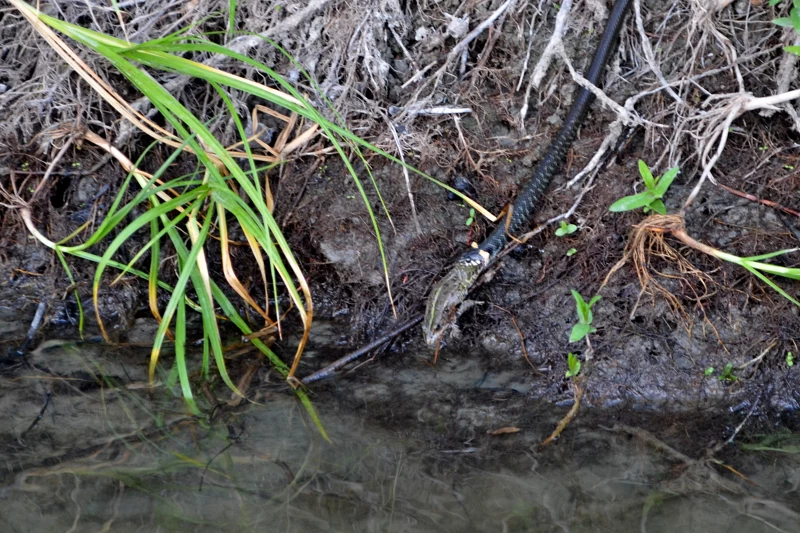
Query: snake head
444	303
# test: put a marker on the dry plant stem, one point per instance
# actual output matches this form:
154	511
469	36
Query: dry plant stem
737	104
406	54
462	45
655	443
759	357
648	52
612	137
519	332
786	70
542	65
474	165
528	51
752	198
455	53
568	417
52	165
405	174
493	37
623	113
716	449
441	110
331	369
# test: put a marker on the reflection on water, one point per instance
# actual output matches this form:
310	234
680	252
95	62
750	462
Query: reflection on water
106	457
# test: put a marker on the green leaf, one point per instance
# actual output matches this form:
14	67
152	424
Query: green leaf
658	206
665	181
581	307
571	252
727	374
596	298
792	50
708	371
795	16
574	365
647	176
579	331
783	22
566	229
629	203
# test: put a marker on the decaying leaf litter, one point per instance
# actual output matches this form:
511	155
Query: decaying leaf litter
475	90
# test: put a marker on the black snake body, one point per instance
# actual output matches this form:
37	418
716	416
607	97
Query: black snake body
450	292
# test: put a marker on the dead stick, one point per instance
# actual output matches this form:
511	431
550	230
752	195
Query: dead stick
568	418
768	203
352	356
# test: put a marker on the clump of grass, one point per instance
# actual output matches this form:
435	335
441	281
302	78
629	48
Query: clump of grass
186	211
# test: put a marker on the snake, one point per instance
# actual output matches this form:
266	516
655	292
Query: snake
447	299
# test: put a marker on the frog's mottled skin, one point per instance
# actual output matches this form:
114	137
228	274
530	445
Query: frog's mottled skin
445	303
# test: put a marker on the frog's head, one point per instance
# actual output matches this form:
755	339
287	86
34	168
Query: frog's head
442	309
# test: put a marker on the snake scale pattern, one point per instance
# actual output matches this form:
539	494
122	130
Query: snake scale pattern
448	295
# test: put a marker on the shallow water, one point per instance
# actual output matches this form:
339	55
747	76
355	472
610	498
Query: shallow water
106	457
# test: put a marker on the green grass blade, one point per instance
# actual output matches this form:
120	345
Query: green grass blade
180	357
75	293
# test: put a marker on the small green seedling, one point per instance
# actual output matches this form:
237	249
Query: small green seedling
789	359
727	374
566	229
574	365
584	325
571	252
709	371
471	217
650	198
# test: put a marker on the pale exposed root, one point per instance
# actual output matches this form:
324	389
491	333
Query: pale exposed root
647	242
553	46
648	52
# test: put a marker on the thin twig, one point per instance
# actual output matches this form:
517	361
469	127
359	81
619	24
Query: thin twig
547	56
568	417
648	52
331	369
405	174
